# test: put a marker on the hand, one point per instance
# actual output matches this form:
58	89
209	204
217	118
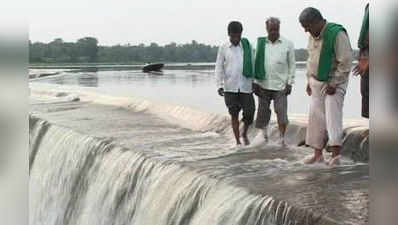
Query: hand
330	90
356	70
288	89
309	91
362	67
220	91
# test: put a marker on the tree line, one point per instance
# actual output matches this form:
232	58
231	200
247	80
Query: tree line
87	50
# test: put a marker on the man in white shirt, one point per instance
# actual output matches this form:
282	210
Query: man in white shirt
234	76
275	68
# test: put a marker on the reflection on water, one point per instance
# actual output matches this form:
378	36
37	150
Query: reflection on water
88	80
195	89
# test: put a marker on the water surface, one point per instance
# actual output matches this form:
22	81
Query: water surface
194	88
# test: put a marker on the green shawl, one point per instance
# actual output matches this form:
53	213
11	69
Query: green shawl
364	29
327	53
247	58
259	68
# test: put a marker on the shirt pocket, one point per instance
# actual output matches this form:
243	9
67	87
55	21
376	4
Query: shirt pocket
281	61
229	63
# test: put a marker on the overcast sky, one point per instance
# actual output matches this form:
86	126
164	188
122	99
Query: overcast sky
181	21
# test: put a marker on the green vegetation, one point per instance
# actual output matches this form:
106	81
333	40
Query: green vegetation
87	50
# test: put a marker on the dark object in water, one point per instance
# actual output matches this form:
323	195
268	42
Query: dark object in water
153	67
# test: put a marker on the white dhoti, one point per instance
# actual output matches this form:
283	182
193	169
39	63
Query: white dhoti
326	115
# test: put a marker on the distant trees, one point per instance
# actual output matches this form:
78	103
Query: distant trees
87	50
84	50
88	47
191	52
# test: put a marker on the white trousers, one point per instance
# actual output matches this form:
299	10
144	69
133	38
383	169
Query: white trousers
326	115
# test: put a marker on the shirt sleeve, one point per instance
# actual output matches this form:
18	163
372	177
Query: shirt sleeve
344	58
291	64
220	72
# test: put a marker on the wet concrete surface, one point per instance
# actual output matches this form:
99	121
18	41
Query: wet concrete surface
340	193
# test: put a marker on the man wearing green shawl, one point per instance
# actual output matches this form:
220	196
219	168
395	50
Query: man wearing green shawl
275	67
234	76
362	68
328	68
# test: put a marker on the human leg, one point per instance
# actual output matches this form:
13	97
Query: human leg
248	107
234	107
316	129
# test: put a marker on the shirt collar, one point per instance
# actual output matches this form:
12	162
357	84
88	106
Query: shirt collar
322	31
280	39
231	45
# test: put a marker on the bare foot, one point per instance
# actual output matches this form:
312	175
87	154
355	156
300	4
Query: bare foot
282	142
334	161
314	159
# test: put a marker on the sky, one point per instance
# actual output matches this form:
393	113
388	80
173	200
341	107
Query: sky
181	21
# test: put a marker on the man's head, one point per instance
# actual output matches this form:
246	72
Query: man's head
312	21
235	29
272	25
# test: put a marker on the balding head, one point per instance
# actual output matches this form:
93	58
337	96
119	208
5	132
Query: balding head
312	21
310	15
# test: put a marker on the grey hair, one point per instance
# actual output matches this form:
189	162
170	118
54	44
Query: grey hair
310	15
273	20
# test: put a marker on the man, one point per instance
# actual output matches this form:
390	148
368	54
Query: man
362	68
275	66
234	75
328	67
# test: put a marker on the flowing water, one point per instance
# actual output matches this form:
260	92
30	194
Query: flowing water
112	160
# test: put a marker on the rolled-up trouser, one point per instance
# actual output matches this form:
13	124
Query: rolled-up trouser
326	115
236	102
264	112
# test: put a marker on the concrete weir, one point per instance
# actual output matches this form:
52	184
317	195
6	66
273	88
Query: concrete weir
107	160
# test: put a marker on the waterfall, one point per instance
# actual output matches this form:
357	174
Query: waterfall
76	179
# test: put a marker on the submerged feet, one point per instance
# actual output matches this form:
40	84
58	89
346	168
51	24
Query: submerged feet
282	142
263	139
316	158
335	159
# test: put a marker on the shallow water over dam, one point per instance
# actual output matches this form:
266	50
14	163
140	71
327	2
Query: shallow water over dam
112	160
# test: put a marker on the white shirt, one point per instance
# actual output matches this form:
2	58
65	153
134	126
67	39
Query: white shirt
280	65
229	69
